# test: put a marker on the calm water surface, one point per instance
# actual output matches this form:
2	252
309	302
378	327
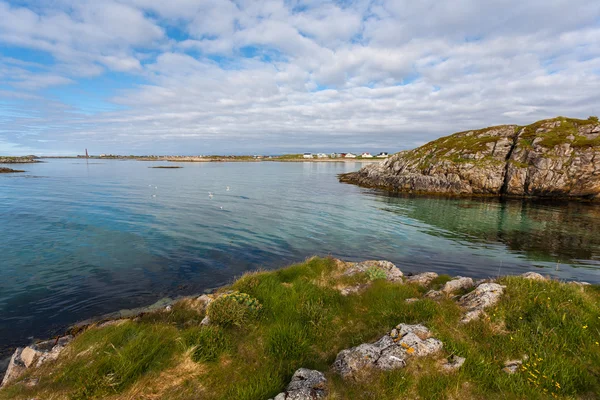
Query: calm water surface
82	239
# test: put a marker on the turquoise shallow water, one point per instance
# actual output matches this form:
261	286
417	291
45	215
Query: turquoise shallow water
83	239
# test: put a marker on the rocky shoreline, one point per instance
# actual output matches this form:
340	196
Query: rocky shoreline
392	351
556	158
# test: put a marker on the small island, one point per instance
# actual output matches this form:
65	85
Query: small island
19	160
553	158
167	167
9	171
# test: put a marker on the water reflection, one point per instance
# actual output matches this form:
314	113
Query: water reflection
564	232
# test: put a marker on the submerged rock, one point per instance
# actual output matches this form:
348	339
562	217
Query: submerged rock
389	352
484	295
423	279
558	157
306	384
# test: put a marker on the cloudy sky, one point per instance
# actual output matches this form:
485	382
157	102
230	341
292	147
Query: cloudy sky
250	76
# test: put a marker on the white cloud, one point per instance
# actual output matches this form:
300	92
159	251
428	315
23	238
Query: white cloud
298	74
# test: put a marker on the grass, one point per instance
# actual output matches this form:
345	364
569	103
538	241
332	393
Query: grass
304	322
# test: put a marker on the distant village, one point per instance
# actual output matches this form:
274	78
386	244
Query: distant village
345	155
292	157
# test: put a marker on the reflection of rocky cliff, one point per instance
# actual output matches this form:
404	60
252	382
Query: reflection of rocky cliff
559	157
550	232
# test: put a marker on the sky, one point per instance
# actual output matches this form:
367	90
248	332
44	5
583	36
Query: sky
272	77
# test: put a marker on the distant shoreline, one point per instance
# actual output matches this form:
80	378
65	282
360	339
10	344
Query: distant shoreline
227	159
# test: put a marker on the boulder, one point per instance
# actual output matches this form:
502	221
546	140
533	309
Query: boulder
306	384
484	295
457	284
512	366
390	352
423	279
534	276
393	273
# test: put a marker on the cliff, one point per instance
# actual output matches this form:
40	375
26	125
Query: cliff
558	157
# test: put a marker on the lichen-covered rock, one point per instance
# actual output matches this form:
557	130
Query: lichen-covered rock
392	273
534	276
484	295
306	384
457	284
389	352
423	279
33	356
559	157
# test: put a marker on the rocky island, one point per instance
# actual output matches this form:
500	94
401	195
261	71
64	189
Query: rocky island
331	329
9	170
554	158
18	160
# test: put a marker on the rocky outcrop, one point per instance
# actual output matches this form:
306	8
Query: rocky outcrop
423	279
389	352
392	273
559	158
18	160
306	384
33	357
484	295
9	171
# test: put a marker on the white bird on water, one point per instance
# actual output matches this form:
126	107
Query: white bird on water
228	188
210	195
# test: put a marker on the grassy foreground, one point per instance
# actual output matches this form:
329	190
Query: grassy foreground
296	317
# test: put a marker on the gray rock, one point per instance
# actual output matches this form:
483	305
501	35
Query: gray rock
534	276
423	279
456	284
512	366
411	300
393	273
434	294
16	368
390	352
306	384
33	356
484	295
205	321
454	363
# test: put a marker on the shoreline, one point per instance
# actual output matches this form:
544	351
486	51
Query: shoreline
436	317
166	303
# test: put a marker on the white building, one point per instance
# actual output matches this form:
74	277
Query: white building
383	154
321	155
350	155
307	155
366	155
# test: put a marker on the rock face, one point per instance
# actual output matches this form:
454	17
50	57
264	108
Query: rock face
389	352
9	171
423	279
33	356
306	384
559	157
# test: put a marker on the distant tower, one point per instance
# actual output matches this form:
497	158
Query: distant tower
86	154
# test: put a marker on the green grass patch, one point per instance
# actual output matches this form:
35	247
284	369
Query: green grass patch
303	321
